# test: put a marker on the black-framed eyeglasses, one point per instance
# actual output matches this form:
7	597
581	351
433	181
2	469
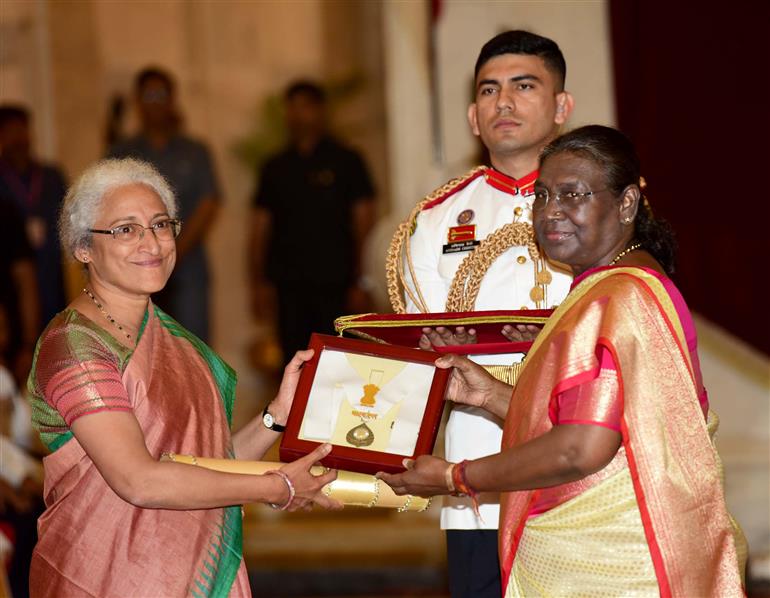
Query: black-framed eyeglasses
568	201
164	230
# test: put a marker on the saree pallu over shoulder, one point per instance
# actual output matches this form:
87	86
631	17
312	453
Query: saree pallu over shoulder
92	542
675	470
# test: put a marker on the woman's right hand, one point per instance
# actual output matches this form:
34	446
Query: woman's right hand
308	487
469	384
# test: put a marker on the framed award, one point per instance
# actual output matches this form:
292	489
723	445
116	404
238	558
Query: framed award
375	404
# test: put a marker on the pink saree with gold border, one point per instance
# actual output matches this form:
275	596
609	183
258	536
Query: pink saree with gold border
93	543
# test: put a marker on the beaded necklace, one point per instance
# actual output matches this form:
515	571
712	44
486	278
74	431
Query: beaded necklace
105	314
633	247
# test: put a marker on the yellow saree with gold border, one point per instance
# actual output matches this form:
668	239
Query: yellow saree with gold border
657	523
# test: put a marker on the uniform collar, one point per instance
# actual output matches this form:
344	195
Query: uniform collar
525	185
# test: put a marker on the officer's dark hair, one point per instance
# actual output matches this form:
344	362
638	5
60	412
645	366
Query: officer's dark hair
309	89
617	157
13	113
153	73
524	42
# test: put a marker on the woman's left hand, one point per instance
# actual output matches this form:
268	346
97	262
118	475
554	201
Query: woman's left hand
281	404
424	476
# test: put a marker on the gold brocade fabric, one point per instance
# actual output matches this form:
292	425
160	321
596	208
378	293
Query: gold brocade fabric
592	545
505	373
674	467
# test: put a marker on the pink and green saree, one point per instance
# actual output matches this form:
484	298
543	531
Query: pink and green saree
92	542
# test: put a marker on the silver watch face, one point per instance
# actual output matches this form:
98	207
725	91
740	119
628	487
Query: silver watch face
268	420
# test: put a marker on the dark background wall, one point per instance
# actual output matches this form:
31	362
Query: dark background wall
692	93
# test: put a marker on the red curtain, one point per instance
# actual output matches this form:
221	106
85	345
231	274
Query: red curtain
691	83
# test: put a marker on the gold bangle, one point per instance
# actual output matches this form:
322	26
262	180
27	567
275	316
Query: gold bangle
450	484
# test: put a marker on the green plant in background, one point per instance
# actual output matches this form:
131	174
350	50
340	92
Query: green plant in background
268	133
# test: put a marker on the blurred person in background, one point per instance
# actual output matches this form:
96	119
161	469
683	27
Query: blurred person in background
37	190
21	475
187	165
19	297
312	212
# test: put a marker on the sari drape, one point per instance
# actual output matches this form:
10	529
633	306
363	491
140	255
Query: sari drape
673	472
91	542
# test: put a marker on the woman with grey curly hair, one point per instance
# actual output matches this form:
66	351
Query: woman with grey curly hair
83	199
116	383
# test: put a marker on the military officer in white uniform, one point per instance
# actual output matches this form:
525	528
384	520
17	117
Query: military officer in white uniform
485	218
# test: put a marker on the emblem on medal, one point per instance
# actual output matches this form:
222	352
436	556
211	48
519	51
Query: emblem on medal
362	435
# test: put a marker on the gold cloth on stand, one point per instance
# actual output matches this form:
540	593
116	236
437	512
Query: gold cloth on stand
351	489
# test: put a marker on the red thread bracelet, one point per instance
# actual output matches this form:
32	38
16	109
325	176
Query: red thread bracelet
460	481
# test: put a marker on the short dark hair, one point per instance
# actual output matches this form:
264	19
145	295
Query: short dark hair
307	88
13	112
525	42
616	155
153	72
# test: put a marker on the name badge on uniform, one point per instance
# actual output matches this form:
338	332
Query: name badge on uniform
461	238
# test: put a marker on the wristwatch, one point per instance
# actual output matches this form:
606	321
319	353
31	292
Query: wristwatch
269	422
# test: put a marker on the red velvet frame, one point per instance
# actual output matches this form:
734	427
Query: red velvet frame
406	329
355	459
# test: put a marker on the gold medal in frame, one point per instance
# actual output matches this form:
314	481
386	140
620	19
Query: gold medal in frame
376	404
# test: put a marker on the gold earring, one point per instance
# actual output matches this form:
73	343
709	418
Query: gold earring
627	220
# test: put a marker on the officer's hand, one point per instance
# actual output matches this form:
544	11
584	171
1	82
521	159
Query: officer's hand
443	337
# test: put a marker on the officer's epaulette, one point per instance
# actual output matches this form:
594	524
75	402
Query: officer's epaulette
451	187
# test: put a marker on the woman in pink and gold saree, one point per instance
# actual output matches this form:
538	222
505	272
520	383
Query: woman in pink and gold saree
610	481
116	383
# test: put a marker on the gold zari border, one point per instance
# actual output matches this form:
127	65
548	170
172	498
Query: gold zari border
344	323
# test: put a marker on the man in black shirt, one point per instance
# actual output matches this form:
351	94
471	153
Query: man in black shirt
312	211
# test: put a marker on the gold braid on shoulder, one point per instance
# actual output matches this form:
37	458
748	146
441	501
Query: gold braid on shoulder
467	281
399	253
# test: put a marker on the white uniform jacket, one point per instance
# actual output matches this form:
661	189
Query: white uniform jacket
487	199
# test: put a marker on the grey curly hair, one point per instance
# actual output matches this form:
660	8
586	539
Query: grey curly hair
84	197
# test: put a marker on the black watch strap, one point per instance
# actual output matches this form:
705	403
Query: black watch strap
269	422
